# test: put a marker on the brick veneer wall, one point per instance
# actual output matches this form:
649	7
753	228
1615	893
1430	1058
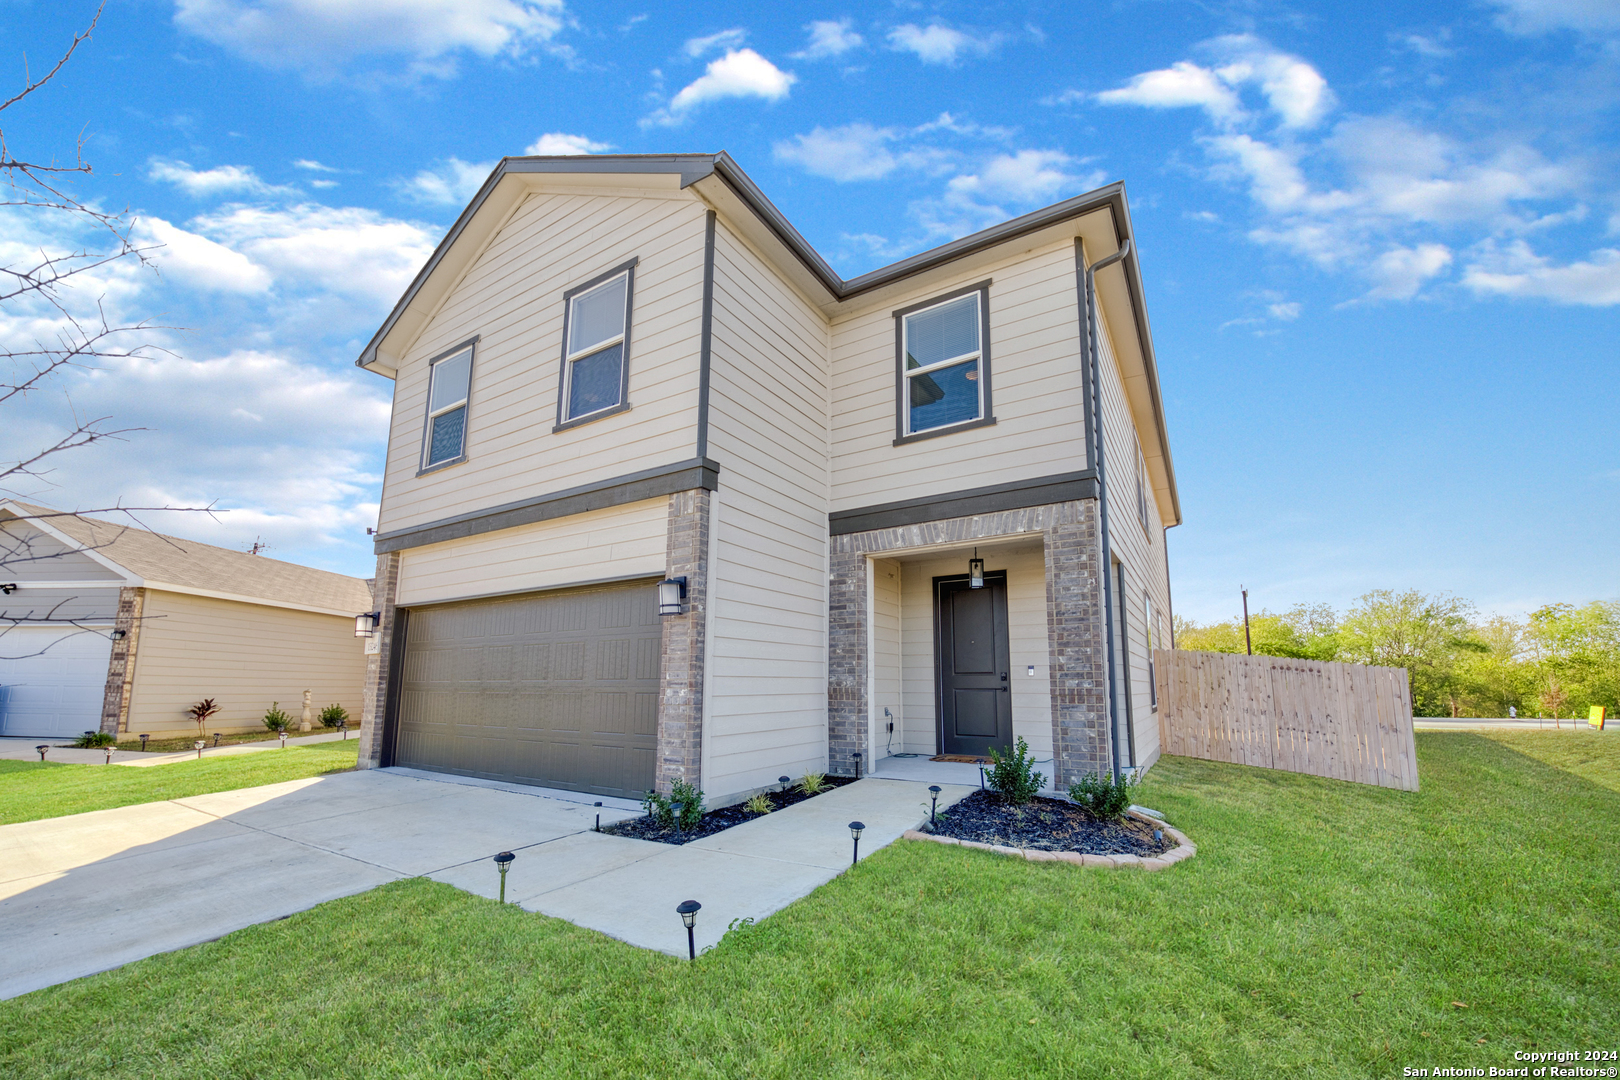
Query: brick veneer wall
383	591
682	651
1075	644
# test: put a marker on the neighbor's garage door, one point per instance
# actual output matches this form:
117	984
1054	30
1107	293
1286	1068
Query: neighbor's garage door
52	680
556	689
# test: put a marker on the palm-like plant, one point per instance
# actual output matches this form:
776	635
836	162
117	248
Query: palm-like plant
201	711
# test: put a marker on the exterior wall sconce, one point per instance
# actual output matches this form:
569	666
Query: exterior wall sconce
688	910
975	571
366	625
672	596
119	635
503	863
855	830
8	588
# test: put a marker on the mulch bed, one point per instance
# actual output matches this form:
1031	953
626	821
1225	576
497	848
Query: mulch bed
645	828
1045	825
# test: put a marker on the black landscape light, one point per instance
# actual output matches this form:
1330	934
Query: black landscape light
784	781
503	863
687	910
678	809
933	811
975	571
109	750
598	817
197	746
42	747
981	777
672	596
144	736
216	740
855	830
857	764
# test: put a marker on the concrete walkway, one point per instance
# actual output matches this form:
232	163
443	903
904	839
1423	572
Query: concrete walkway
94	891
25	750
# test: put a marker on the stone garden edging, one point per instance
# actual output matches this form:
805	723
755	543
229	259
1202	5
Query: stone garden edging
1184	849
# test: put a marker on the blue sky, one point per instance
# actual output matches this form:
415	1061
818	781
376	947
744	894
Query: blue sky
1381	243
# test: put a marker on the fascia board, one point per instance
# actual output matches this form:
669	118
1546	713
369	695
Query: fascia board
127	577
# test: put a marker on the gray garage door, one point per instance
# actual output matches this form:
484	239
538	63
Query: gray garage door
556	689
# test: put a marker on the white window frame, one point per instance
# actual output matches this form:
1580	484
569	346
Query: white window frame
1142	489
569	359
470	348
903	430
1152	632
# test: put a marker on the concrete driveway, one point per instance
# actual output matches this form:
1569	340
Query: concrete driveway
94	891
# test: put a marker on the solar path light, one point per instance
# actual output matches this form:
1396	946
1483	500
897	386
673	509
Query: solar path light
503	863
216	740
598	817
687	910
197	746
784	781
933	811
855	830
109	750
282	734
678	809
42	747
857	764
144	736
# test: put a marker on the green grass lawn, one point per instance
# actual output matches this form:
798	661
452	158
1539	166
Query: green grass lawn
30	790
1323	930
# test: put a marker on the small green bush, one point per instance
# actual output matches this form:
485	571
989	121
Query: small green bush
661	808
94	740
334	716
814	783
1102	797
276	718
759	804
1012	775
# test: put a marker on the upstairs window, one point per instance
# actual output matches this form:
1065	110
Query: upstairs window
1142	489
944	365
448	381
596	345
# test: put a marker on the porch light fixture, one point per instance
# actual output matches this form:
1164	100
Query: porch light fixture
855	830
144	736
933	811
197	746
503	863
688	910
672	596
42	747
975	571
366	625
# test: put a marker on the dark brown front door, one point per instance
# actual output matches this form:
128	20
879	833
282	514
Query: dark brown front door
971	655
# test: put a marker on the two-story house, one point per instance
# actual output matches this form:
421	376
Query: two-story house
667	498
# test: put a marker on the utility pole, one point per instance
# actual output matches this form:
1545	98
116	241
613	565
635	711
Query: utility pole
1247	642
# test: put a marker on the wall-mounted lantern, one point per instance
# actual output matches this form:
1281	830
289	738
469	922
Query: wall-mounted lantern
975	571
672	596
8	588
366	625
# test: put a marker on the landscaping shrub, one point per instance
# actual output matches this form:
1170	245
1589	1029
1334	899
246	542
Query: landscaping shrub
814	783
661	808
276	718
334	716
1103	796
94	740
759	804
1012	775
201	711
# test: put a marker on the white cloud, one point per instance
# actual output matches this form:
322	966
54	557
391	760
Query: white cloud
313	166
853	152
938	44
1515	270
206	183
829	38
556	143
1285	311
1401	271
1026	177
1294	90
319	36
451	183
198	261
1180	85
1542	16
725	40
739	73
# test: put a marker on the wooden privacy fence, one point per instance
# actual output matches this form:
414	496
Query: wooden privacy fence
1345	721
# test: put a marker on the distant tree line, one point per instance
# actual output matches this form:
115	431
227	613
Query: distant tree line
1558	662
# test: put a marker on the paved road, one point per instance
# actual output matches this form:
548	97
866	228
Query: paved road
93	891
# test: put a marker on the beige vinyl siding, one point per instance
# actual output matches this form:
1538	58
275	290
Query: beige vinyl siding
1025	565
512	298
616	542
244	656
1036	388
1140	551
765	711
886	576
97	606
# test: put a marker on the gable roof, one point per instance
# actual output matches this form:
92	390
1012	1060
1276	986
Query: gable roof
721	183
171	563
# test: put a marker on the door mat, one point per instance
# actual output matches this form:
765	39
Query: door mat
965	759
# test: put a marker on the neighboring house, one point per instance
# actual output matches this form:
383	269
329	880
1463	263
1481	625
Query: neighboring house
620	369
113	628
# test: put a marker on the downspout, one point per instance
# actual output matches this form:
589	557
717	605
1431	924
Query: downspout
1107	567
